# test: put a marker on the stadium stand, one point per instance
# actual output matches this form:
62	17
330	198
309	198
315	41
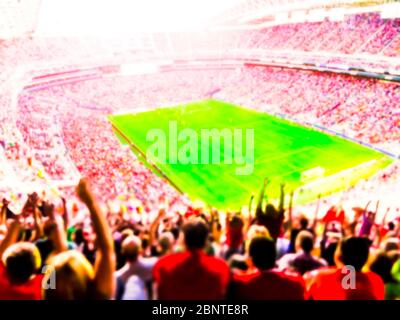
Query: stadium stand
82	198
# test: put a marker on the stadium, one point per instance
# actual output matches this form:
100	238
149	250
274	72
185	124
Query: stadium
199	150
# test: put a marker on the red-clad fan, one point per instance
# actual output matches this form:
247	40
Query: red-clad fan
192	274
347	281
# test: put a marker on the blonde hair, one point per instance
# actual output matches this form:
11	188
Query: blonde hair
256	231
74	275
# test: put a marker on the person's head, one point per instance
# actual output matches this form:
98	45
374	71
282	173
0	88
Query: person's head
126	233
236	222
22	260
270	210
390	244
262	252
145	241
166	243
303	222
305	241
329	253
78	236
382	265
353	251
238	262
131	248
175	231
257	231
74	275
195	232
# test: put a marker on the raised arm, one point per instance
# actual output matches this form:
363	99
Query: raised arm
289	224
31	208
154	226
383	223
65	213
249	219
397	230
251	203
259	209
381	227
60	236
105	256
314	223
3	212
38	223
281	208
375	212
364	214
11	236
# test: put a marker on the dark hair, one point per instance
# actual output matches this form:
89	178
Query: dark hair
382	265
262	251
79	238
237	261
354	251
270	210
329	253
303	223
145	242
21	264
236	222
306	241
196	233
175	232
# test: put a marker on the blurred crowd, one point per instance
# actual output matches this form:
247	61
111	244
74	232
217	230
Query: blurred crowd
62	132
365	33
142	239
78	249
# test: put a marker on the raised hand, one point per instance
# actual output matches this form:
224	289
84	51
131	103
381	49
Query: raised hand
5	202
84	192
161	213
48	210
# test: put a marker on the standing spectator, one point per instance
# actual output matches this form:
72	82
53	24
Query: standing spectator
329	283
382	265
76	277
302	261
263	282
136	265
191	275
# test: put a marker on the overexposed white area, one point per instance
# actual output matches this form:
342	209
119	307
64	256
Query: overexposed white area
119	18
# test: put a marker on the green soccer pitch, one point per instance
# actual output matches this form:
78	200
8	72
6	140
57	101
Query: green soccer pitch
284	151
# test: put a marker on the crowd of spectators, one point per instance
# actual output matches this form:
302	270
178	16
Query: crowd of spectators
54	250
65	131
144	240
365	33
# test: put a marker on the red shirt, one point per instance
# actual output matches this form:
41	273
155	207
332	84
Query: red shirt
268	285
30	290
334	214
191	276
326	284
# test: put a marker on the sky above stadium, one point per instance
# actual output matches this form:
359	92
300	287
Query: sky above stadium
115	18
